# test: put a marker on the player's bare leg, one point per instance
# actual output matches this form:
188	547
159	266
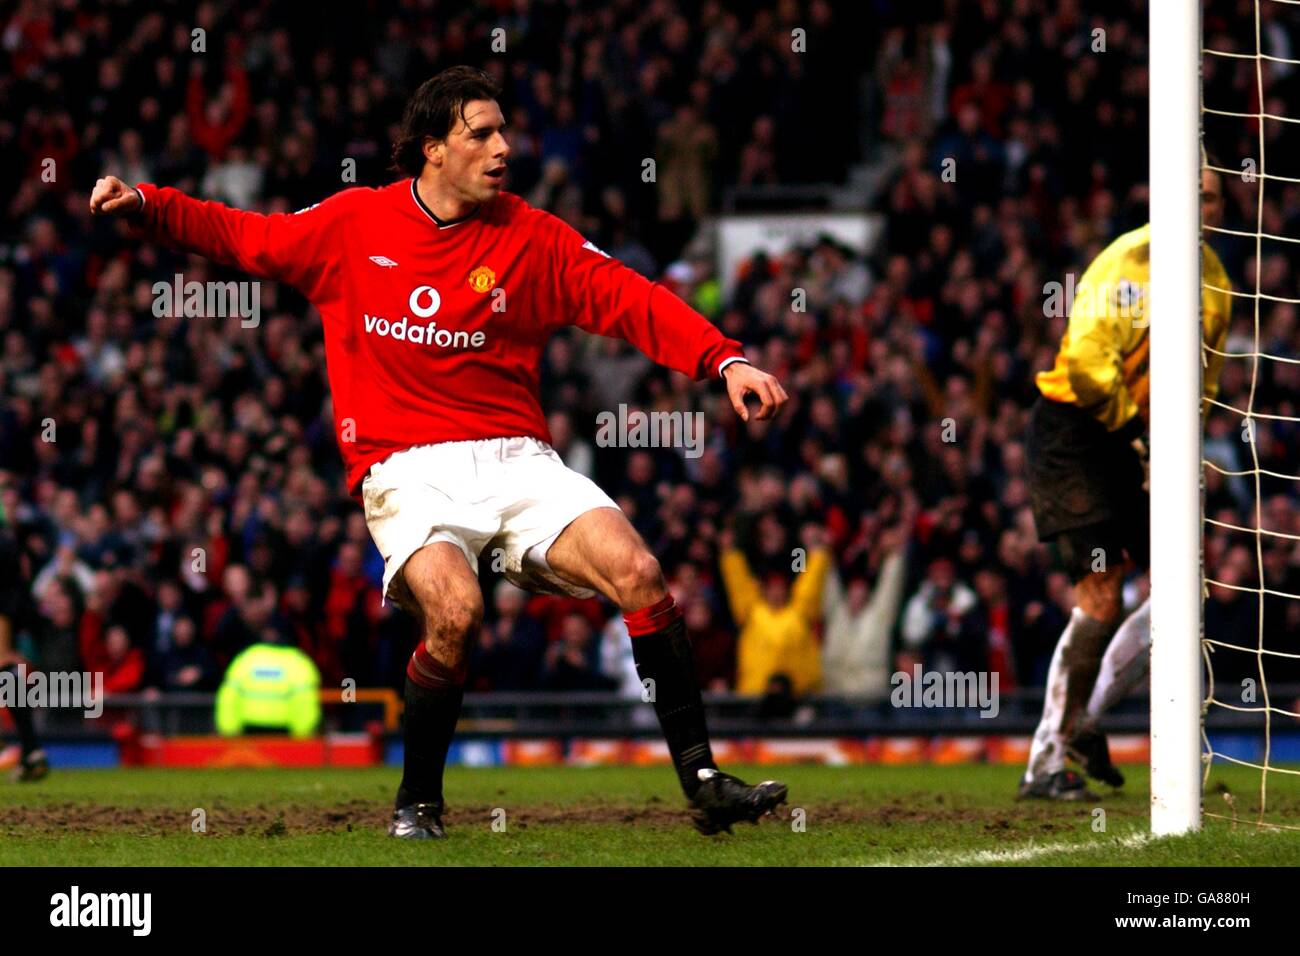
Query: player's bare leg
1123	667
445	594
602	551
1071	676
1125	663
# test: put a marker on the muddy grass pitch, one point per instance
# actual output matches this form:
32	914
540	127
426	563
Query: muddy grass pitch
852	816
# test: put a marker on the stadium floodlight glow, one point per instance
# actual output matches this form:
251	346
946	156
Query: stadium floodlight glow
1175	304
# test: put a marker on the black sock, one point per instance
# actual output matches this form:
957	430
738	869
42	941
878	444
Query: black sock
430	721
22	717
665	656
433	699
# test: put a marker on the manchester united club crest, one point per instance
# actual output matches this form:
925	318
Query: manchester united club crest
482	279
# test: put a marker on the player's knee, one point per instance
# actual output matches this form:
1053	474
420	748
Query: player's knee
461	619
641	581
452	610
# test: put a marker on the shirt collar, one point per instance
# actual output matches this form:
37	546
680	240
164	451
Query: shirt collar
441	223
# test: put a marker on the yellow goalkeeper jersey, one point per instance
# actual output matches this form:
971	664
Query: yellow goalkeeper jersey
1102	364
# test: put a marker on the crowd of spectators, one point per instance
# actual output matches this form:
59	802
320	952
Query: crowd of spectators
175	484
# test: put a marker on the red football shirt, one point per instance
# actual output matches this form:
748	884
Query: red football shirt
434	331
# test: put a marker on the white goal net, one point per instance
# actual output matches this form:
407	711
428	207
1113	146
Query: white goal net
1250	86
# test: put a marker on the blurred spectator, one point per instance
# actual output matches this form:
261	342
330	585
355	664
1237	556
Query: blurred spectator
511	647
776	621
56	639
617	662
778	701
941	623
65	564
122	665
714	646
185	665
571	663
351	616
216	121
856	659
574	451
686	152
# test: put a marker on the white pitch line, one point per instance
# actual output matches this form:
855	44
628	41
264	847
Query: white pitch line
1030	851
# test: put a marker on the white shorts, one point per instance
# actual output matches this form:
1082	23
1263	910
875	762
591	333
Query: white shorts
509	493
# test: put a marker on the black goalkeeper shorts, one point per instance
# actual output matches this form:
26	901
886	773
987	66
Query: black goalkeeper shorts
1085	488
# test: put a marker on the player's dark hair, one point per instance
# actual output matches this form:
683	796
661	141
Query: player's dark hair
434	109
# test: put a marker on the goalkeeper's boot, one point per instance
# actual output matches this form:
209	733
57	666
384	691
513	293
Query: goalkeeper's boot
31	768
1089	749
1062	785
723	800
419	821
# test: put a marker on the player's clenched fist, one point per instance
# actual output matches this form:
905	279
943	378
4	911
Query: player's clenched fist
743	379
112	196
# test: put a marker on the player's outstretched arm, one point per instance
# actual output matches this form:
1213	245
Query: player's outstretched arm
283	247
603	296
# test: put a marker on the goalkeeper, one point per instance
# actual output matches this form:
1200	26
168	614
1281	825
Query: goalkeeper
1087	452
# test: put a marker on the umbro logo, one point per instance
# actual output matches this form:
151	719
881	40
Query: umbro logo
384	261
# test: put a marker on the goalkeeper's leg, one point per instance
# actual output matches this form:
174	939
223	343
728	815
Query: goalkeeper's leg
1070	680
1123	667
1087	492
1124	664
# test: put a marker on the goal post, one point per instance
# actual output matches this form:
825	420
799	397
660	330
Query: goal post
1174	299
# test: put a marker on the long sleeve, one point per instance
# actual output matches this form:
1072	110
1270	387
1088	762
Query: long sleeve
1093	354
806	595
295	248
839	636
1101	366
603	296
882	609
742	588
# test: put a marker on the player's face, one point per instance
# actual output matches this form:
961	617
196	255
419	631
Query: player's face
473	157
1211	198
